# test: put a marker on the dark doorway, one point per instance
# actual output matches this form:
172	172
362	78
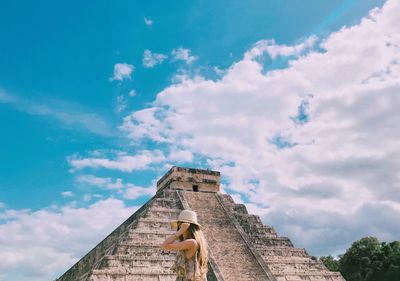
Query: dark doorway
195	188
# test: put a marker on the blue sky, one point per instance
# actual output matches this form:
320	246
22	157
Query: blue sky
87	121
61	55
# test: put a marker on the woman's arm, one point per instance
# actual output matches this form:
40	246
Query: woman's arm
169	244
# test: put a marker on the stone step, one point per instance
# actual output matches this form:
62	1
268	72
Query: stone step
240	208
260	237
140	250
267	230
125	274
245	277
135	261
270	240
297	268
154	223
171	203
281	251
158	235
153	256
253	220
227	198
169	255
160	231
134	270
292	259
330	276
136	247
171	193
162	212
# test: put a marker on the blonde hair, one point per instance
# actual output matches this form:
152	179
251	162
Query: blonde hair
202	253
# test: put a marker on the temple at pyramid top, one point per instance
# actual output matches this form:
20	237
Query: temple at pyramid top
190	179
240	246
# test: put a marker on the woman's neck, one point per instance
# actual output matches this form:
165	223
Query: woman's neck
187	236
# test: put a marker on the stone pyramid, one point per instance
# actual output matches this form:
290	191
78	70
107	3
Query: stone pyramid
241	248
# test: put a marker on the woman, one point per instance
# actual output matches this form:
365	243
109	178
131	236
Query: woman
191	263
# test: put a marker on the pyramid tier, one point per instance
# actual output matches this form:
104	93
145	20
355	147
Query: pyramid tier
135	261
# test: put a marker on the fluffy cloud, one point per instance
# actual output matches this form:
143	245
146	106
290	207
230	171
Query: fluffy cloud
152	59
122	71
125	190
121	103
274	50
178	155
183	55
67	194
133	192
148	21
123	162
107	183
314	146
132	93
42	245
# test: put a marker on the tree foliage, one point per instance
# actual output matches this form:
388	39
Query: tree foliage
330	262
368	260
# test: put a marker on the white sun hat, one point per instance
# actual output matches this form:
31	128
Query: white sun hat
185	216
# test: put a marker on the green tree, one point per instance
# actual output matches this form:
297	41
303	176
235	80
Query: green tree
356	263
331	263
387	263
368	260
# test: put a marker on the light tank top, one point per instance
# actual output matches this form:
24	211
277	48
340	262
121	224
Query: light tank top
187	270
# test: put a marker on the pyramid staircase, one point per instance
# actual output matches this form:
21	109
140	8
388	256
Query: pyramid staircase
286	262
241	248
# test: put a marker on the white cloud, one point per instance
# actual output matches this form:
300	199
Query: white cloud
122	71
67	194
42	245
122	103
143	123
274	50
219	71
178	155
68	115
314	146
183	54
148	21
125	190
152	59
107	183
87	197
133	191
180	76
123	162
132	93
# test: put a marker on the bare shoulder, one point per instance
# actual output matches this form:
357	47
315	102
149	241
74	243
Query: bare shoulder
188	244
193	243
193	247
